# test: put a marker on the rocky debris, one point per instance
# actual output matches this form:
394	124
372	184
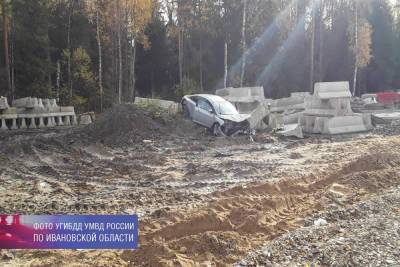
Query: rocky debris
6	255
392	129
364	234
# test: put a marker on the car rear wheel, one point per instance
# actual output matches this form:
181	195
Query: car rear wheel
186	112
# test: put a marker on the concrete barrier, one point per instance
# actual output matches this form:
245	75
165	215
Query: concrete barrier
329	111
345	124
85	119
32	113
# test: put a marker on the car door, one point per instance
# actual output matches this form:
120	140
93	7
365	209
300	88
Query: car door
204	113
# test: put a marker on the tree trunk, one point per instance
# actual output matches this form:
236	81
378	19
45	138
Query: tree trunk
133	75
201	63
100	56
5	47
180	55
225	64
355	49
312	50
71	10
58	81
243	67
12	58
321	42
120	76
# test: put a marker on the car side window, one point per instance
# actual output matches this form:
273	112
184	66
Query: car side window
204	105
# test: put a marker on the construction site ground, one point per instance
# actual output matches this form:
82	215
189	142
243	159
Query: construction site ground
207	201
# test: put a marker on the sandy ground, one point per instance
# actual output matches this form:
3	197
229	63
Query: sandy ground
202	201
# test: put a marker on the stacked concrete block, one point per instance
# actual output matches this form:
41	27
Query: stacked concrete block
33	113
246	99
27	103
3	103
329	111
293	104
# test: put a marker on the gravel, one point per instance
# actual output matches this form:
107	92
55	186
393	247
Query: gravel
365	234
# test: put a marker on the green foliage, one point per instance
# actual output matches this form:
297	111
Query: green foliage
156	111
32	48
39	30
188	87
85	87
79	102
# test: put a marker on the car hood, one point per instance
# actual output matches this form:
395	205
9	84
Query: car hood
235	118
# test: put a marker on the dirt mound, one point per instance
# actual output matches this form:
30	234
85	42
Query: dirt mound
124	124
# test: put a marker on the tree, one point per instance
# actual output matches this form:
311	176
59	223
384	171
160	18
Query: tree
243	42
360	43
5	46
380	72
140	13
32	45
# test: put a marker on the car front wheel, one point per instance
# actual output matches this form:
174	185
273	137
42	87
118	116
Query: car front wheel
216	130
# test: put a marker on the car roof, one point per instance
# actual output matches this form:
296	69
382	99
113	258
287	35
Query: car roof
212	98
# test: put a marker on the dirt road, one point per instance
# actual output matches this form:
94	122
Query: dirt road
201	200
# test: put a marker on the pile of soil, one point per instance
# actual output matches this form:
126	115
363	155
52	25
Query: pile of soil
127	124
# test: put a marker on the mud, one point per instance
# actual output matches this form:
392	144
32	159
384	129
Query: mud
201	200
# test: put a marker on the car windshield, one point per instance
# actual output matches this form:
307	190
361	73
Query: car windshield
226	108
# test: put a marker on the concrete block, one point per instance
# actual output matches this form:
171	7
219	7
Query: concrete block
85	119
41	123
330	90
276	121
3	103
3	126
27	102
67	109
23	123
319	124
292	130
32	124
67	121
51	122
59	121
385	118
292	118
9	111
247	107
14	125
50	105
242	95
258	115
308	124
289	103
367	119
300	94
74	120
345	124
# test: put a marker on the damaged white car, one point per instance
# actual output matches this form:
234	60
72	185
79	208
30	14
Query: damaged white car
216	114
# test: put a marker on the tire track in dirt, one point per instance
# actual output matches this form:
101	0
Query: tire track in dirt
236	221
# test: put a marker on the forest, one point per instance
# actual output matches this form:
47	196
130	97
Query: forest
95	53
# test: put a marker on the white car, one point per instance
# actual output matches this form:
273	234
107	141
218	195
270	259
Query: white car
215	113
